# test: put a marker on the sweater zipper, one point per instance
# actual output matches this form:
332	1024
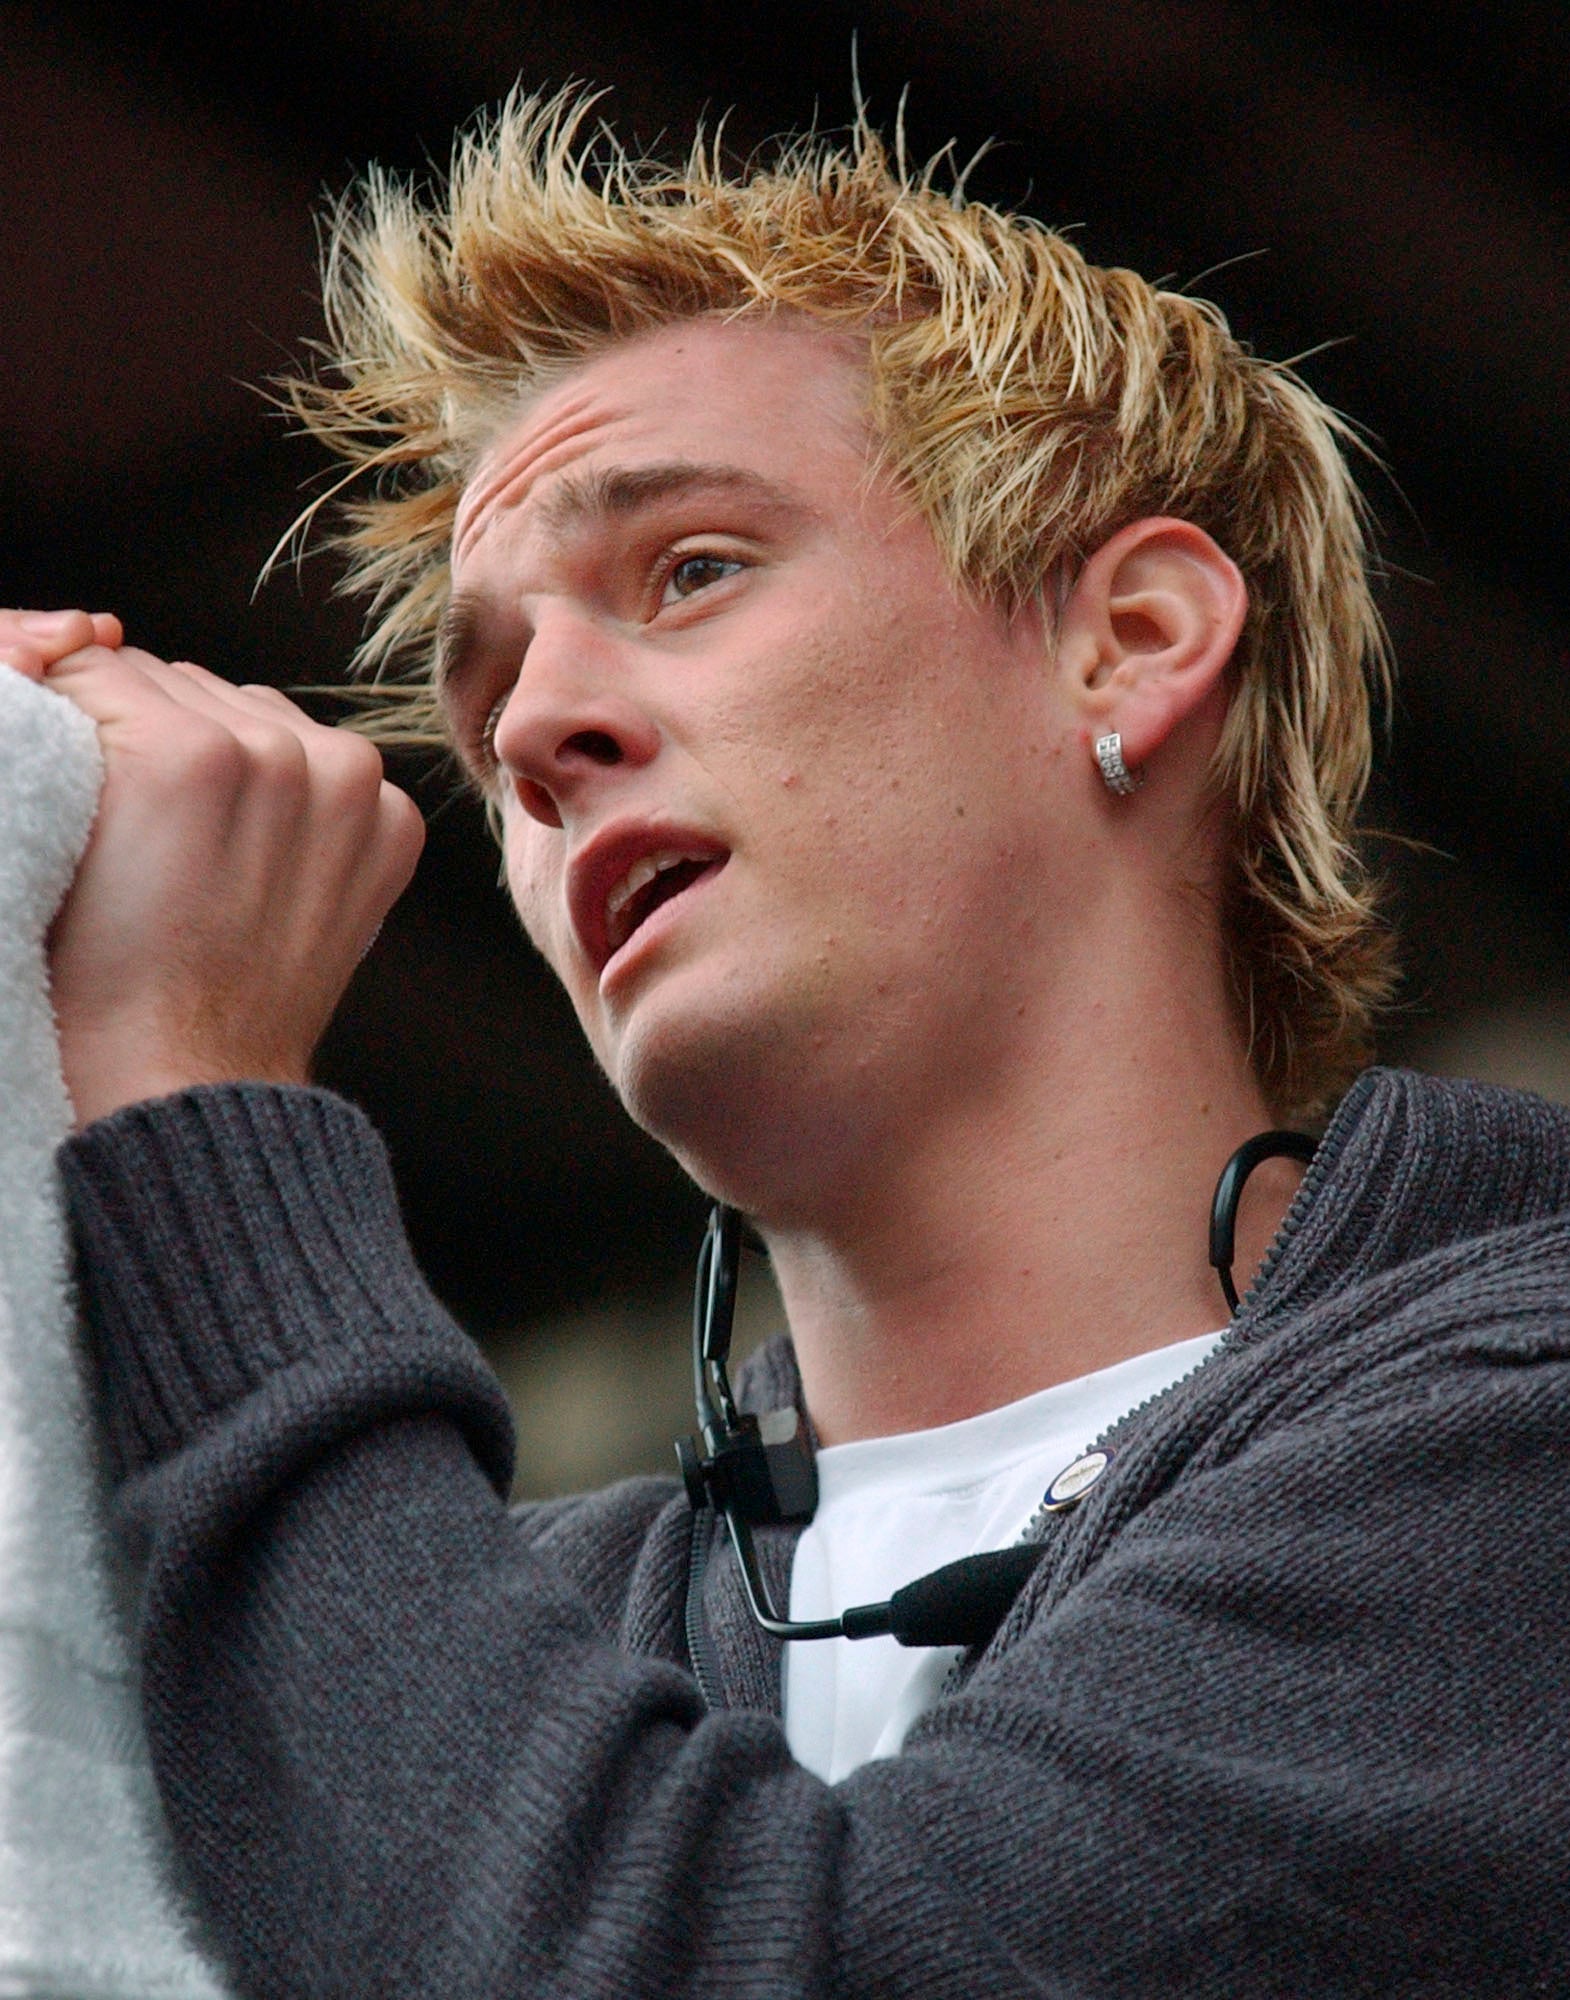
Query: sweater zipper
700	1642
1035	1528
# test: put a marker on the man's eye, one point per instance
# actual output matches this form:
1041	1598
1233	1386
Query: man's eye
694	573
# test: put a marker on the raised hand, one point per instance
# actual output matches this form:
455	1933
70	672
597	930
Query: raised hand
242	860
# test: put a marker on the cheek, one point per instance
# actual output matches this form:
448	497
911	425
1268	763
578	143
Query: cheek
533	864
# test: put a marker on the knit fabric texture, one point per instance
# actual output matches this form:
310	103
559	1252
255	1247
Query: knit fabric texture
1284	1710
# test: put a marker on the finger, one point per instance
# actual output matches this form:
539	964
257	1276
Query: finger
402	827
32	641
254	710
185	680
24	660
49	634
142	698
193	685
172	728
113	684
389	852
116	685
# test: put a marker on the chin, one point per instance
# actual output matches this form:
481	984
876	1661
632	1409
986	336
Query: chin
751	1100
677	1074
707	1085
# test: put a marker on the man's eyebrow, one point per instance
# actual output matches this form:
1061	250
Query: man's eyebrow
457	634
616	492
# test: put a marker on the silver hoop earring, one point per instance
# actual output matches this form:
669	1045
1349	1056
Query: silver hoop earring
1119	778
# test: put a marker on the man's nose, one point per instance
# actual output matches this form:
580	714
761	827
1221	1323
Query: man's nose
571	719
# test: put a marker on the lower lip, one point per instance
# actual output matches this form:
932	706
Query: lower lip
624	961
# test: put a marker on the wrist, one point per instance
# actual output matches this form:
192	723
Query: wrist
103	1075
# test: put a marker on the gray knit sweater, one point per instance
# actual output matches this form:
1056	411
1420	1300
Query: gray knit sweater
1285	1710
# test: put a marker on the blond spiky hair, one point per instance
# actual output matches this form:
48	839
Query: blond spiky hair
1031	402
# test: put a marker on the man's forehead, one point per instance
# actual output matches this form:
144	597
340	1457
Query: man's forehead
736	393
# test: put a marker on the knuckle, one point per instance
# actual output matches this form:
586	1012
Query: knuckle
206	755
215	756
353	780
357	762
278	755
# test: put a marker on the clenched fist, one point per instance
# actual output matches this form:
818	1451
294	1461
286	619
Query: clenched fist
242	859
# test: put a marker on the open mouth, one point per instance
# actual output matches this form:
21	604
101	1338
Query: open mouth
651	881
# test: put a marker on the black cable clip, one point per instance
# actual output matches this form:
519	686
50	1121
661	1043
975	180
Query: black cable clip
759	1468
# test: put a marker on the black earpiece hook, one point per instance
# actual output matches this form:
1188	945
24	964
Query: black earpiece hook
1229	1193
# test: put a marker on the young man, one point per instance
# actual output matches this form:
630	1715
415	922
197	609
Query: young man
920	682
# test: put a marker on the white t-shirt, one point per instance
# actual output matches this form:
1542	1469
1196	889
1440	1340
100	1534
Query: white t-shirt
892	1508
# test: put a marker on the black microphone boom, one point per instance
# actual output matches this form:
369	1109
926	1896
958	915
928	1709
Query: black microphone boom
962	1604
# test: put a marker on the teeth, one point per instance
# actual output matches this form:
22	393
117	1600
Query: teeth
640	873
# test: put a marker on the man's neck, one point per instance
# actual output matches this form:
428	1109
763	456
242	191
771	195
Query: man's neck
1058	1228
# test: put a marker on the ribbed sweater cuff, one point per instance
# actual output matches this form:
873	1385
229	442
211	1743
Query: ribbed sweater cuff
231	1236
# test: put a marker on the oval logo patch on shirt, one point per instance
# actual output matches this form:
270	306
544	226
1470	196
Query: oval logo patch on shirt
1075	1481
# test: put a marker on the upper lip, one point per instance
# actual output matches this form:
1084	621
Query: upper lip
602	863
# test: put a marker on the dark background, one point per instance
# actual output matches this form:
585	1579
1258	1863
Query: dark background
1388	181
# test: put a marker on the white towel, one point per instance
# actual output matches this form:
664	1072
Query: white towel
88	1904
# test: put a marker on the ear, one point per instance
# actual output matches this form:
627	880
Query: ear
1148	629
